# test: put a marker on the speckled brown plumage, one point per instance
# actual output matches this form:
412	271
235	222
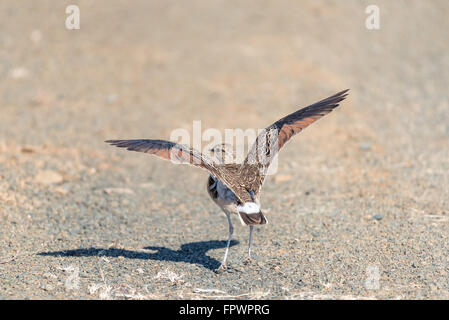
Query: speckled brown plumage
235	187
282	130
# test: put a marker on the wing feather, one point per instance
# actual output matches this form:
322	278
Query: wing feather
179	153
274	137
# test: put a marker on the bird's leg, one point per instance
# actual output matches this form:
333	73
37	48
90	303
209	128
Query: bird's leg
249	246
231	230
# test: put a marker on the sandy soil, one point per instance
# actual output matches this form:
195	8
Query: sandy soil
359	205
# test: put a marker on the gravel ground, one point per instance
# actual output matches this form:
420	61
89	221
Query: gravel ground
358	207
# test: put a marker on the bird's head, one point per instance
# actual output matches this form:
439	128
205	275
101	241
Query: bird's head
223	153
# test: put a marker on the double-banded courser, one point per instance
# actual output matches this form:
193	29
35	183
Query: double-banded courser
235	187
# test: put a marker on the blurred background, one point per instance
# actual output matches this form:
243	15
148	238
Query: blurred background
365	188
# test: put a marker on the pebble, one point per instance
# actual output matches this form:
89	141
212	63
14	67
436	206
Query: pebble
118	191
28	149
61	190
282	178
112	98
19	73
36	36
365	146
147	185
48	177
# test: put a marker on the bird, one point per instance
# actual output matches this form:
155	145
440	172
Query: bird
235	187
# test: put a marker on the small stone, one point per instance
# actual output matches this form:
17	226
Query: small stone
378	217
118	191
28	149
61	190
365	146
19	73
48	177
112	98
147	185
282	178
36	36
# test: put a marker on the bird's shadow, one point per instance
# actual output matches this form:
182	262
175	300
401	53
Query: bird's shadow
194	253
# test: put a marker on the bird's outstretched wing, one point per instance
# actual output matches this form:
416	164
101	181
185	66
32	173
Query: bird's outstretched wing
274	137
179	153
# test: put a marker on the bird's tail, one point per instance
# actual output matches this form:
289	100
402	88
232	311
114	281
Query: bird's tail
250	219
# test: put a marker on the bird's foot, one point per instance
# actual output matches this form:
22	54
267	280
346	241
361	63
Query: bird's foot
222	267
